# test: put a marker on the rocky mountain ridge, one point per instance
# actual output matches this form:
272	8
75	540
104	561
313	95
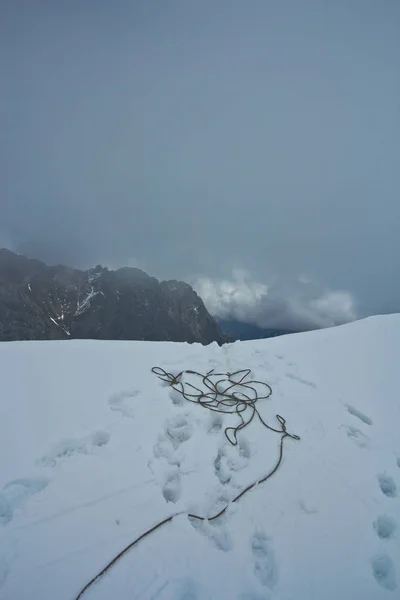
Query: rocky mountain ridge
39	302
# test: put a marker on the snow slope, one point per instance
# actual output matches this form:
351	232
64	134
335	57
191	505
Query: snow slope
94	450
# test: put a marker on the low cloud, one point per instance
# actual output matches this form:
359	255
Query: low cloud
334	308
236	298
299	306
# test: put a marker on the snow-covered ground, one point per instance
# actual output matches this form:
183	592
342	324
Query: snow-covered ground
95	450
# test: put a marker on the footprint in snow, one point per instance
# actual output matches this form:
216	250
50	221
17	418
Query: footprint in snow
387	485
360	415
357	436
222	469
231	459
295	377
307	509
176	397
70	447
385	527
120	402
177	431
265	566
171	490
16	493
215	531
384	572
215	422
244	448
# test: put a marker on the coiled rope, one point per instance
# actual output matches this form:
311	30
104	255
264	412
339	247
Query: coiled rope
230	394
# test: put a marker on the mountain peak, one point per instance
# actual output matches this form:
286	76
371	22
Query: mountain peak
42	302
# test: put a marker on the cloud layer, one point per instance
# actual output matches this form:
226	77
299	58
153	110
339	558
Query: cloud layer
195	137
303	307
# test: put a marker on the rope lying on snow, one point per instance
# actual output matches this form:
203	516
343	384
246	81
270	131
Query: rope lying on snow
220	397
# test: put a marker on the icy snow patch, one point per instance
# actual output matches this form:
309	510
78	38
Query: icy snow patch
15	493
72	446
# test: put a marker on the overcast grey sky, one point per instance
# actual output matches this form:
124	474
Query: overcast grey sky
250	147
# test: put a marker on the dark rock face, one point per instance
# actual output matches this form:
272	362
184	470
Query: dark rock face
38	302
